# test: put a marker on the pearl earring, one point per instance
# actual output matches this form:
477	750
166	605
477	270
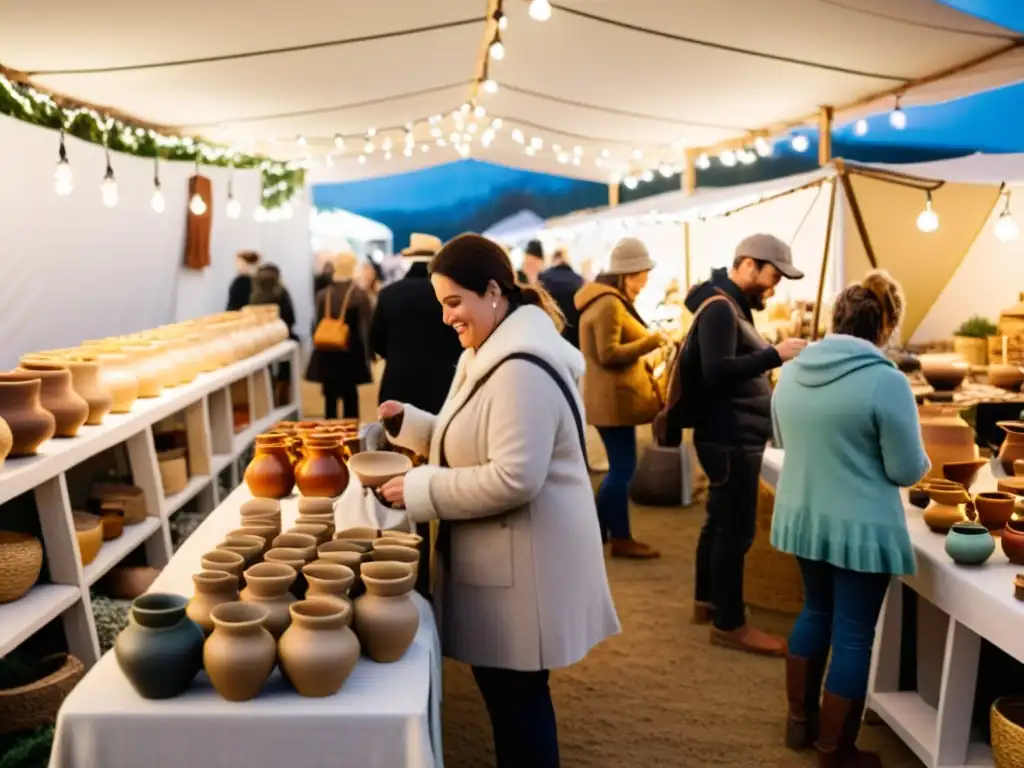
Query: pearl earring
494	304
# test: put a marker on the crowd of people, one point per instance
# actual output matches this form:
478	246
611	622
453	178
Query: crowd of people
494	375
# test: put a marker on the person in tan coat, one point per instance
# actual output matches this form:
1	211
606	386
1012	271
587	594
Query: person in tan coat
520	585
619	391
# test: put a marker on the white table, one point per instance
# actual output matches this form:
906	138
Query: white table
959	604
385	716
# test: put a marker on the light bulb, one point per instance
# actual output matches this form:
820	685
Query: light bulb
339	141
424	148
502	20
898	118
234	208
368	147
605	153
479	112
157	201
496	123
540	10
666	171
631	182
63	178
763	147
647	176
371	132
108	190
800	143
497	50
490	86
1006	227
928	219
746	157
387	144
362	159
703	162
531	151
387	155
860	128
441	142
537	142
517	136
577	151
301	140
464	150
563	157
615	177
260	214
727	158
197	205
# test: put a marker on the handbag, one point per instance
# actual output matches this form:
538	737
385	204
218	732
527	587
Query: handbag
333	333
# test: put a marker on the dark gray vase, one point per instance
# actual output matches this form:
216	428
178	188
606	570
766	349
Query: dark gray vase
161	649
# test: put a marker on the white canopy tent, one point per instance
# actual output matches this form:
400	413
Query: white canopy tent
515	229
340	230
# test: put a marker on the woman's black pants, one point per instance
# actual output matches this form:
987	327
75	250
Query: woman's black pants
347	393
522	716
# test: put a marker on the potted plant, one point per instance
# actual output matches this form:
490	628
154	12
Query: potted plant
970	340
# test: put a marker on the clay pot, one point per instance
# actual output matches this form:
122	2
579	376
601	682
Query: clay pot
401	537
949	506
270	474
312	506
1008	377
327	579
268	584
386	618
397	553
296	559
1018	468
30	424
147	369
265	510
304	524
222	560
89	532
994	508
969	543
56	395
1013	541
161	650
318	651
87	382
321	472
342	554
374	468
299	542
129	581
318	531
942	374
212	588
240	654
963	472
266	531
947	438
249	547
1013	445
112	519
918	496
6	441
119	378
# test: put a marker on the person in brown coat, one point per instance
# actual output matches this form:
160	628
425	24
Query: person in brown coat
619	391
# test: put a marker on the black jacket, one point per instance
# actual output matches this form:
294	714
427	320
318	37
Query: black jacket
351	366
728	363
239	292
562	283
420	351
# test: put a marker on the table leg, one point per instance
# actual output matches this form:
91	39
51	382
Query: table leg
956	694
885	657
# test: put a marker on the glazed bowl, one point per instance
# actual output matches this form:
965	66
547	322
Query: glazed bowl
374	468
943	375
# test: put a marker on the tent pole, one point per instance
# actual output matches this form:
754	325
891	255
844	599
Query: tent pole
690	172
858	217
686	254
825	116
824	260
613	195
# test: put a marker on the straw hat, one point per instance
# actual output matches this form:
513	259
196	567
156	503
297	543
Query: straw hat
422	245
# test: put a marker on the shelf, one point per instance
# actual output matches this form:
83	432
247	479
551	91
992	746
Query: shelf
911	717
176	501
23	618
219	462
113	552
240	441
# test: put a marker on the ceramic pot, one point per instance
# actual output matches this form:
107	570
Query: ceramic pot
323	532
295	559
148	371
262	509
1013	541
87	382
268	584
1007	377
300	542
69	410
963	472
222	560
128	582
89	532
112	518
249	547
969	543
1013	444
30	424
240	654
374	468
161	650
947	438
318	651
212	588
949	506
396	553
942	374
363	537
386	618
6	441
270	474
266	531
994	508
329	580
918	496
342	554
119	378
313	506
321	472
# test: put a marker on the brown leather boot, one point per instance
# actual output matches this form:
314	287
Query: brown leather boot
633	549
803	690
703	613
837	739
750	640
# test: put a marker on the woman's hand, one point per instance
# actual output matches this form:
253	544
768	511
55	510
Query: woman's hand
393	491
389	409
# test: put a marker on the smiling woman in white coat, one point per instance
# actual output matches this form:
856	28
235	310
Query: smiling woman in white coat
520	586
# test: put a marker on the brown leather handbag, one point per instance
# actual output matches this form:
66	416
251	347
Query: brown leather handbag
333	333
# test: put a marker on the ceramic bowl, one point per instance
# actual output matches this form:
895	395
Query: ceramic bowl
374	468
963	472
944	375
994	508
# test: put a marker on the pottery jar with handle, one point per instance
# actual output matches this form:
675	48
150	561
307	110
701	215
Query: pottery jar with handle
318	651
161	650
1013	443
268	584
386	619
240	654
30	424
56	395
212	588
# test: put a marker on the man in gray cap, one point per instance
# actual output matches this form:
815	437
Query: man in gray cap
725	395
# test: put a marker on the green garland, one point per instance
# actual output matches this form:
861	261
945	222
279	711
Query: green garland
280	181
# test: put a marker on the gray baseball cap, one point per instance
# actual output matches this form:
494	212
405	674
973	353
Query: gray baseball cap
768	248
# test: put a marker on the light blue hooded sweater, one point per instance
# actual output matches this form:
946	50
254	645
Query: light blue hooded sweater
847	421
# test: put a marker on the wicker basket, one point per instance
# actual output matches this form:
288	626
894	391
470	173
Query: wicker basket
129	497
173	471
30	706
1007	724
771	578
21	558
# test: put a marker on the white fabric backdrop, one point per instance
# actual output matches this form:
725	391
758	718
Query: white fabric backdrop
72	269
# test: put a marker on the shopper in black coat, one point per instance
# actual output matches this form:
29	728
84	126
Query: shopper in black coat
562	282
241	287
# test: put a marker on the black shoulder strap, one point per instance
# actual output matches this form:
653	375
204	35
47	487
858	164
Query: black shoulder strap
540	363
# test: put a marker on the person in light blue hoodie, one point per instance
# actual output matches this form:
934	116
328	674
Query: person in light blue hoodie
847	421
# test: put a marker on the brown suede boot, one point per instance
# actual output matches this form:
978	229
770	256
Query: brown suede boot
803	690
750	640
703	613
633	549
837	739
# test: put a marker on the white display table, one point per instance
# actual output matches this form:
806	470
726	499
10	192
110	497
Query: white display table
385	716
960	604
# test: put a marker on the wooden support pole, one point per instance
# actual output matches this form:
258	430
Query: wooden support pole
690	172
613	195
858	217
816	317
686	255
825	136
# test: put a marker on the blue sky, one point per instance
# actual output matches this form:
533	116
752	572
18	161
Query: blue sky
1008	13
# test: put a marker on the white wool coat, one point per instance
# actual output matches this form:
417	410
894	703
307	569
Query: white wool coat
526	588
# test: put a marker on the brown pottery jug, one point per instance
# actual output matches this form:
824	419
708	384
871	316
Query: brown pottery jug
69	410
270	474
321	472
212	588
386	618
318	651
30	424
240	654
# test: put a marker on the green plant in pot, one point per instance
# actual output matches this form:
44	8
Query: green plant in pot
970	340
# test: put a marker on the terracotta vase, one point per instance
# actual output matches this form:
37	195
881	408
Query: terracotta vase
212	588
994	508
1013	541
268	584
947	438
222	560
240	654
321	472
300	542
87	382
948	507
1013	444
31	425
6	441
319	531
329	580
120	379
161	650
963	472
386	618
318	651
270	474
69	410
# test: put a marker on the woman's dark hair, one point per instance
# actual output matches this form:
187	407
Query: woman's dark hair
249	257
618	282
870	310
473	262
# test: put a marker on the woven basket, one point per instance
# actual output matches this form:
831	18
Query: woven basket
1007	724
21	558
173	471
36	704
771	578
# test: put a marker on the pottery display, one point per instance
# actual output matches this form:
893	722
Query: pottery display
126	582
266	510
384	552
1013	541
374	468
319	531
963	472
327	579
994	508
943	374
161	649
1008	377
969	543
321	472
222	560
69	410
120	379
240	654
249	547
87	382
270	474
318	651
949	506
1013	444
386	619
361	536
89	532
311	505
300	542
947	438
268	584
212	588
30	424
21	560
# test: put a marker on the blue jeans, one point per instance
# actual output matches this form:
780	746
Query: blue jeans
841	609
613	495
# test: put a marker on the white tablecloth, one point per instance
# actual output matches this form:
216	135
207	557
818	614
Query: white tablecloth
385	716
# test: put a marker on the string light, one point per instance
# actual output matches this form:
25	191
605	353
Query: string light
479	112
108	189
339	141
490	86
763	147
1006	227
860	128
703	162
666	170
928	219
301	140
517	136
800	143
197	205
157	202
496	123
898	118
631	182
540	10
727	158
497	48
63	178
500	18
537	142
